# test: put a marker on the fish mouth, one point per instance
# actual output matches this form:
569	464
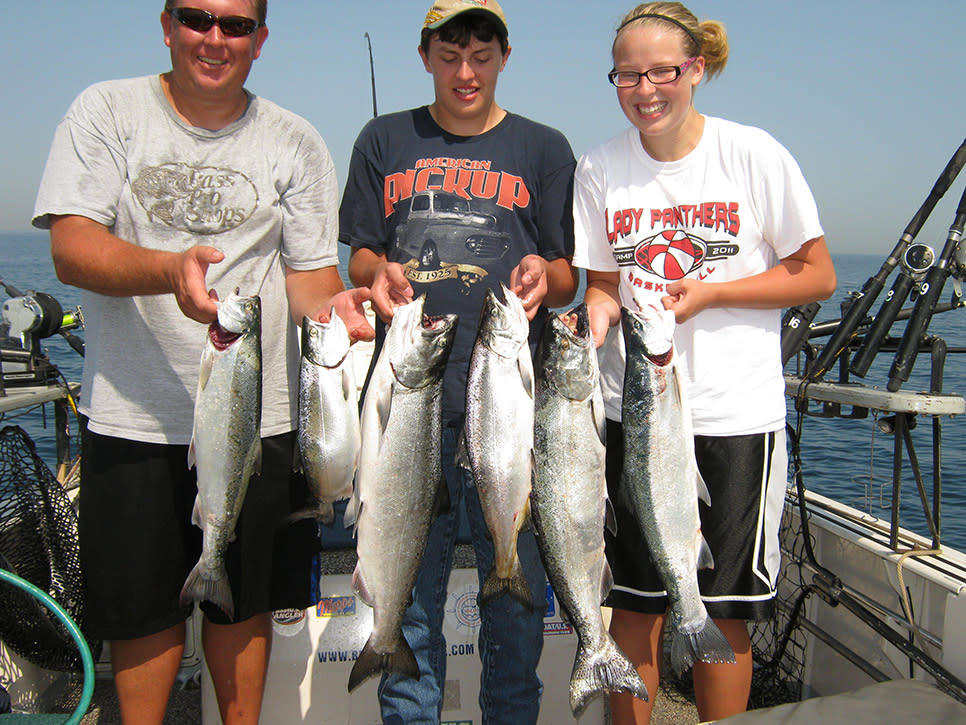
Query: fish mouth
435	322
579	322
221	338
660	359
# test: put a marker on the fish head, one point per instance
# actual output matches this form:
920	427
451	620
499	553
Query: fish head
325	343
649	330
238	315
504	327
419	344
566	357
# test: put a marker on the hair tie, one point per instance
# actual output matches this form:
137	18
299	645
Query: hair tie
681	25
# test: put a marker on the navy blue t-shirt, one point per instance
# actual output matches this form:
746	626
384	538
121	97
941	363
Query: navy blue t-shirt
459	213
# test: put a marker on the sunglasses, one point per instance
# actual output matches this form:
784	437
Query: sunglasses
201	21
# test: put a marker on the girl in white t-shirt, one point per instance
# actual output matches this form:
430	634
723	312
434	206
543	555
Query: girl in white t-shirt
712	220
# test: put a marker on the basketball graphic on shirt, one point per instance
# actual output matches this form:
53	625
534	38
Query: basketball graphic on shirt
671	254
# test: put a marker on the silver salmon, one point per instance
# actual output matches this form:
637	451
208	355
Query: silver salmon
661	478
329	433
225	444
569	503
399	483
498	436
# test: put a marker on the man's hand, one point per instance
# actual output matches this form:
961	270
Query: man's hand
186	274
389	289
528	281
348	306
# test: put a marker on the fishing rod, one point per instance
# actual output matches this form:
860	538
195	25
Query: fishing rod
821	329
949	263
372	75
862	303
916	261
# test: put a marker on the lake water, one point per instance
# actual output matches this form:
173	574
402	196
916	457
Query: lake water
840	457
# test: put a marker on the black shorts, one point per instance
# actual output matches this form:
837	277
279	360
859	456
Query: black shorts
138	544
746	477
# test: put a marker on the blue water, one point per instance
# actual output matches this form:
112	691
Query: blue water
849	460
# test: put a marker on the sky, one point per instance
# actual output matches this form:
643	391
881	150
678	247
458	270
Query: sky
866	95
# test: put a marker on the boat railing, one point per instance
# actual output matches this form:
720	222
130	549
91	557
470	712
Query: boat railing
896	412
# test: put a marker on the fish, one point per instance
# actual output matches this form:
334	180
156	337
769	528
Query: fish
329	433
497	443
661	478
569	502
399	485
225	446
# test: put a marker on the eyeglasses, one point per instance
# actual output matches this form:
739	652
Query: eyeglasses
657	76
201	21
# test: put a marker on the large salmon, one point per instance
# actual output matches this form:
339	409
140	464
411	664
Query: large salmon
329	434
225	442
400	479
498	436
661	478
569	502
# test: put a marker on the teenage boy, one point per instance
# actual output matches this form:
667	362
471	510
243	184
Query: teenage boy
448	200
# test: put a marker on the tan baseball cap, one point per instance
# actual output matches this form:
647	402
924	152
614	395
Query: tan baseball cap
445	10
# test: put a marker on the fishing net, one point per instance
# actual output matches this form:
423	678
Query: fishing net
38	542
778	643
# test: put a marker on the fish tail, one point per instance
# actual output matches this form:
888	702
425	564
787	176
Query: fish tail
199	588
605	669
370	662
706	645
515	585
321	511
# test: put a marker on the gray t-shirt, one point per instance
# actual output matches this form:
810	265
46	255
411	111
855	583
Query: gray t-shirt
262	191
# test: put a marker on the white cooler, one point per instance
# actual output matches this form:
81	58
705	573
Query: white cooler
313	652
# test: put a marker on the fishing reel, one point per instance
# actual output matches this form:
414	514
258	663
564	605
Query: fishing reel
25	320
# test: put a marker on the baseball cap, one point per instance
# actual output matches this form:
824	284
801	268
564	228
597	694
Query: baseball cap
445	10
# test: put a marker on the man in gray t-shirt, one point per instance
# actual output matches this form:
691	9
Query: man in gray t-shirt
157	190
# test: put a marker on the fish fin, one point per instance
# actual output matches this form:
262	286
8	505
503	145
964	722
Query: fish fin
706	645
204	370
515	585
703	492
196	517
198	588
257	453
370	662
599	417
525	366
610	518
705	559
606	581
352	510
383	409
604	670
348	383
359	585
192	459
462	454
321	511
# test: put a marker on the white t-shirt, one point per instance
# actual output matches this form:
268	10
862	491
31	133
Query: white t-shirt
262	190
729	209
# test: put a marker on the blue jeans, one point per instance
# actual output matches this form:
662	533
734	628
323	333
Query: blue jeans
510	636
